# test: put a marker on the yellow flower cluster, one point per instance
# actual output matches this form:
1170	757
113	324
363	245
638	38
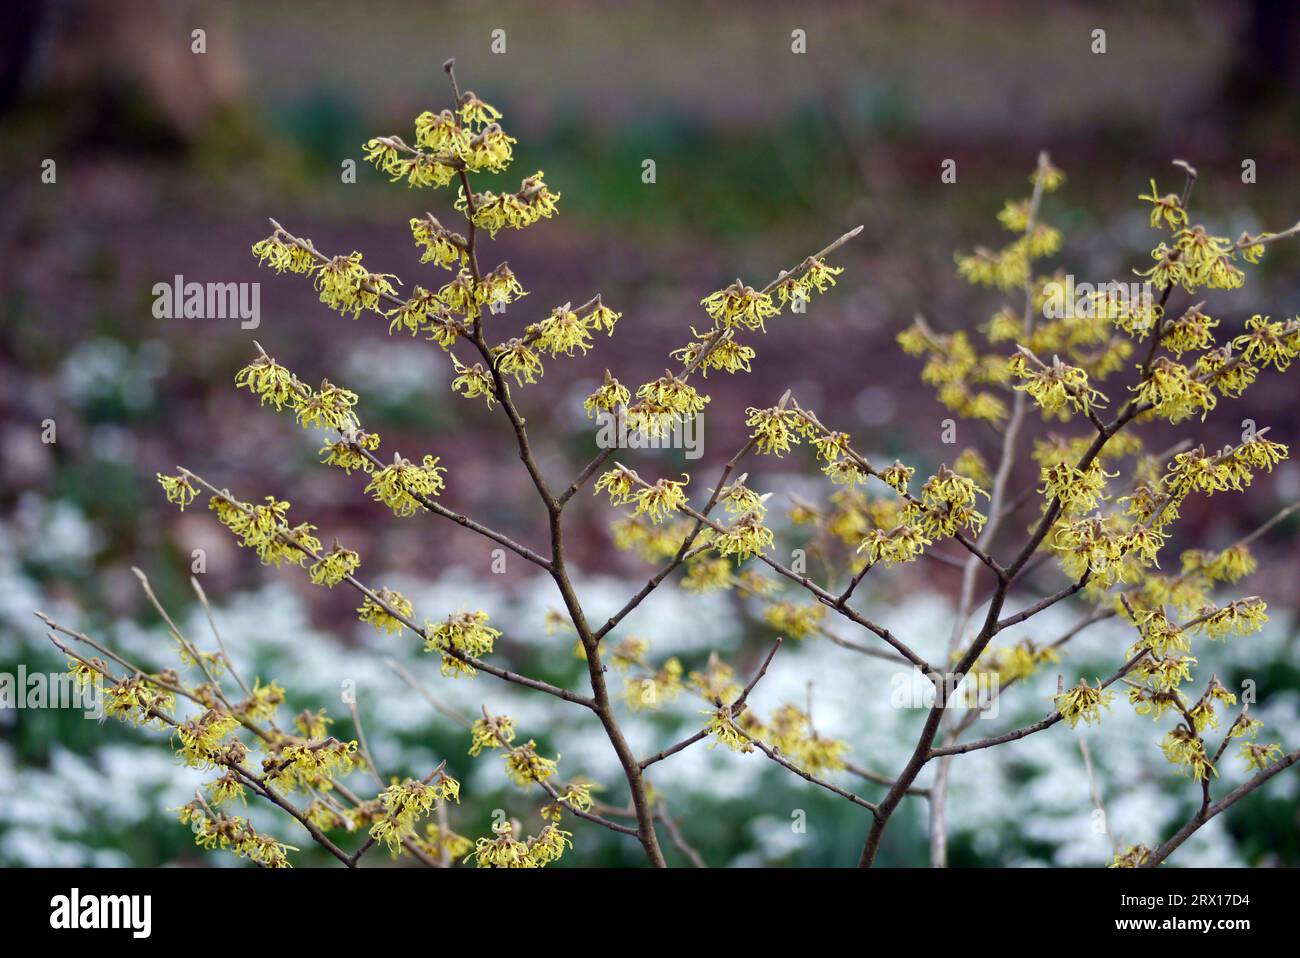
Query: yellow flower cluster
1134	856
1159	635
724	730
947	504
1101	547
524	766
516	359
1190	331
406	803
235	835
717	682
1077	489
776	429
307	766
334	566
442	247
791	732
270	381
798	620
1184	748
746	535
651	691
608	397
285	256
1260	757
378	614
1166	210
348	451
562	332
1268	343
1195	260
813	275
265	529
1018	661
739	306
1241	617
178	489
1174	392
718	353
576	796
202	739
658	501
1058	388
347	286
503	850
473	381
494	212
663	402
1083	702
957	371
902	543
494	733
1228	565
136	700
1164	675
402	484
391	155
330	407
1009	267
465	634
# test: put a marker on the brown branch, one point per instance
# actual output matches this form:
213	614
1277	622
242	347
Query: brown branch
1206	813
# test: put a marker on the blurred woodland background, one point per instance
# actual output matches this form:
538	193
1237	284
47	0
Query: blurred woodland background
170	162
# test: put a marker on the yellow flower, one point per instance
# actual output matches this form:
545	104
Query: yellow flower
491	149
440	132
177	489
378	614
402	485
1173	392
348	453
1134	855
497	733
662	499
1083	702
1184	748
442	247
775	430
1269	343
466	633
1260	757
335	566
723	728
473	381
329	407
283	256
901	544
1167	209
739	305
1077	489
1057	387
517	360
474	112
406	803
344	284
795	619
562	332
266	378
619	484
608	397
524	766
